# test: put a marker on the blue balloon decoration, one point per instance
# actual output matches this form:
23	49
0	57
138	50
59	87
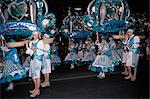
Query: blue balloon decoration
106	16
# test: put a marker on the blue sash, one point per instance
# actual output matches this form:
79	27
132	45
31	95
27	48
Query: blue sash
108	53
39	57
49	55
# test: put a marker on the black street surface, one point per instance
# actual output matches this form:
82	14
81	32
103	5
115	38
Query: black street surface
81	83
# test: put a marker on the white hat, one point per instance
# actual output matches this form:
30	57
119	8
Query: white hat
46	35
130	30
35	32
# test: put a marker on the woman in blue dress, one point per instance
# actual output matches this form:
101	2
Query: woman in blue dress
55	59
12	68
102	62
72	57
90	52
114	55
81	50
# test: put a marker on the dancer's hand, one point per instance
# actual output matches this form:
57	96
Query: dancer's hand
26	41
33	48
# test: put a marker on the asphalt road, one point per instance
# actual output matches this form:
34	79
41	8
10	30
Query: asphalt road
83	84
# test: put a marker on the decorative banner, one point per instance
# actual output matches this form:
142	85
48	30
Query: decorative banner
18	28
17	10
113	26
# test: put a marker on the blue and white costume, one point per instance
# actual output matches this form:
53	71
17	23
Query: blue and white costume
72	56
46	63
125	50
26	64
36	62
12	67
90	54
81	51
119	49
133	54
103	62
55	59
114	55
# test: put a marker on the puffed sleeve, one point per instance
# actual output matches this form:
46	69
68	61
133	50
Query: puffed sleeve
29	50
136	42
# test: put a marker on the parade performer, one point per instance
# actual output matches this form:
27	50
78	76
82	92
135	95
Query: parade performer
119	48
133	54
46	65
35	50
90	52
72	57
12	67
102	62
81	50
124	54
55	59
114	55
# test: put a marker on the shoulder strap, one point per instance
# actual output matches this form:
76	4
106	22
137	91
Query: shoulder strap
35	45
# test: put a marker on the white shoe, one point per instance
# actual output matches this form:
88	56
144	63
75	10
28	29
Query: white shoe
72	66
103	75
10	87
45	85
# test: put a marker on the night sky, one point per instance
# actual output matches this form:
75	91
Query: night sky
60	7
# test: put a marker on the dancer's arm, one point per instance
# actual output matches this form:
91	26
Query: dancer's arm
16	44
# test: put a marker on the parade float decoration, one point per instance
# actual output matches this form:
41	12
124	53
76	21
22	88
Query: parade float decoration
72	25
21	18
105	16
26	16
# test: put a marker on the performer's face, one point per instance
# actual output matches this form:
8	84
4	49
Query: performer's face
103	41
50	40
35	36
130	33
